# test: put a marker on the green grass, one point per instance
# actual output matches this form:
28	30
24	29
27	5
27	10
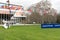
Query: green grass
29	32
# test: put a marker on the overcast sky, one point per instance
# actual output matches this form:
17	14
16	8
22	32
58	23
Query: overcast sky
27	3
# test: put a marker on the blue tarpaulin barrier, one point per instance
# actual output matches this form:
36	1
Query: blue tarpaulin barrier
50	25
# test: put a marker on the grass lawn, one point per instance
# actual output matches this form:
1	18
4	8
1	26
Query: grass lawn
29	32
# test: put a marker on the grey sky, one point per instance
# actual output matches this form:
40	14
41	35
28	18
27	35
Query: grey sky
27	3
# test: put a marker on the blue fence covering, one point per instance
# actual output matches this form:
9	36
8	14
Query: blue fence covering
50	25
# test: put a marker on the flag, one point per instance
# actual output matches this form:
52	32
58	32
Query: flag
30	10
7	0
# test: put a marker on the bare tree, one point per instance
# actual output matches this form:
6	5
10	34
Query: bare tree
43	12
